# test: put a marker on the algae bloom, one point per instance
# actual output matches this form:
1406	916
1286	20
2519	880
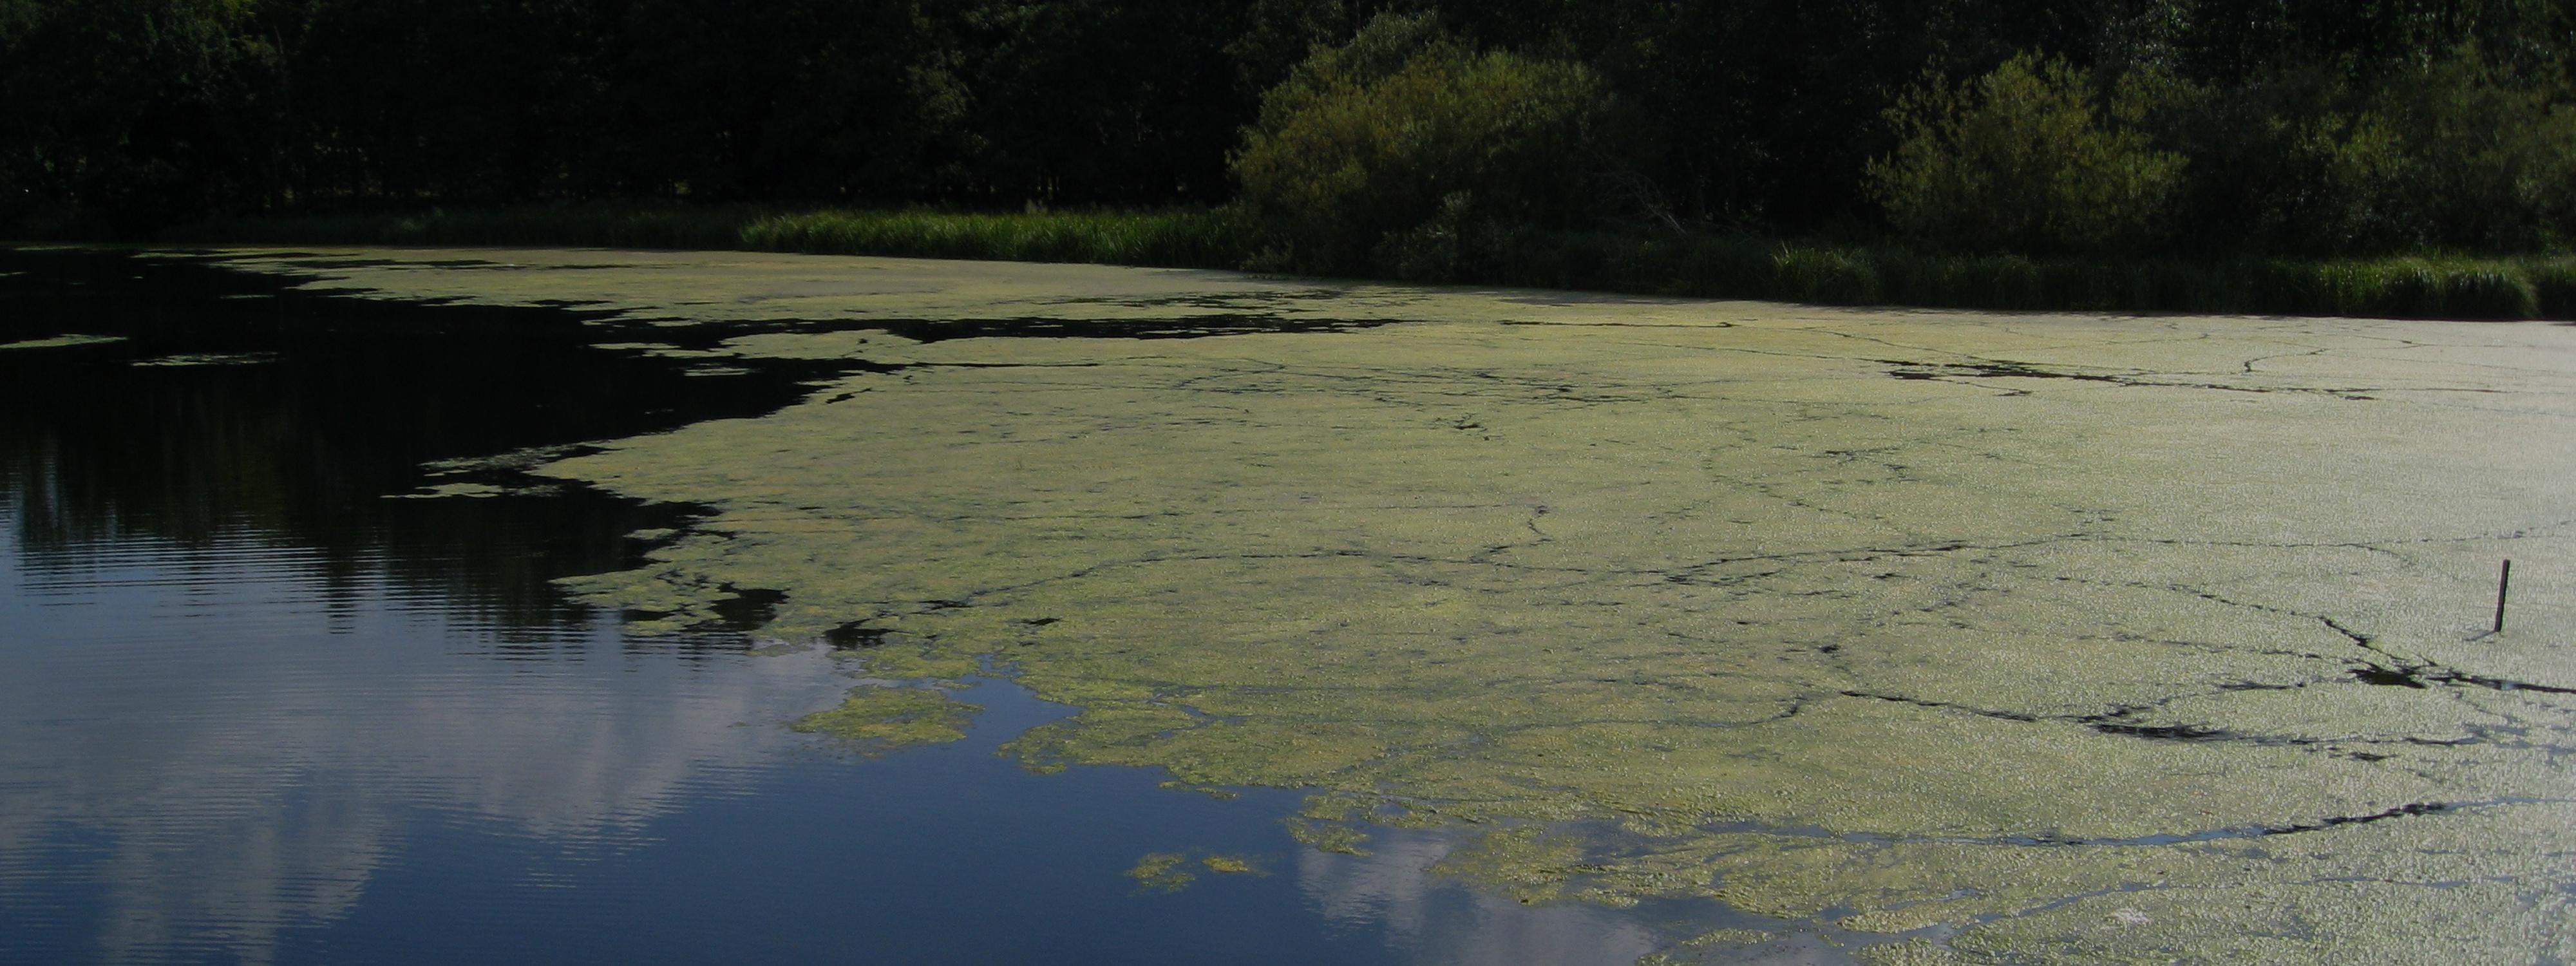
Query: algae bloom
2019	638
70	341
880	719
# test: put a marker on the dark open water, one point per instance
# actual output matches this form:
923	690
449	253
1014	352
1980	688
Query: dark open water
253	710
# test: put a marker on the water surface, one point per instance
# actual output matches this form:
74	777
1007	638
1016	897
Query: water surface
1410	624
264	698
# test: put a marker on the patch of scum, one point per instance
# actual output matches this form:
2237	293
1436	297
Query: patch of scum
2051	670
882	718
195	359
71	341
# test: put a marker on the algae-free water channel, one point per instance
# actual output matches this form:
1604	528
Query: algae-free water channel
373	605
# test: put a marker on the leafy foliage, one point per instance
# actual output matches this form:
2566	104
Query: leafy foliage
2021	159
2482	160
1427	142
1404	125
2458	152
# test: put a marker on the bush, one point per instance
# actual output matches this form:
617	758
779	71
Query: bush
1433	251
2020	159
1405	124
1825	275
1724	266
2293	158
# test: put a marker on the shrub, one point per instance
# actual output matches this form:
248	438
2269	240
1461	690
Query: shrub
2021	159
2294	158
1825	275
1724	266
1405	124
1433	251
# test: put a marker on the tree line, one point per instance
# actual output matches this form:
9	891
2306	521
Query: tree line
1375	131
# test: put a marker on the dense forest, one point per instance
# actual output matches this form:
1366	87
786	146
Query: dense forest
1360	126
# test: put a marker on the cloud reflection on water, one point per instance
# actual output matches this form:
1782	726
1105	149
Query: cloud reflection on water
1443	922
225	763
1437	921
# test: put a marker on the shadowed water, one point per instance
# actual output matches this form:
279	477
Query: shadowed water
256	706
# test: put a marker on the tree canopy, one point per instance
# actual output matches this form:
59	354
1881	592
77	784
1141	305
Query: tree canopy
2331	125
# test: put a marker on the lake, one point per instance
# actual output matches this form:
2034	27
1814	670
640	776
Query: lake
611	606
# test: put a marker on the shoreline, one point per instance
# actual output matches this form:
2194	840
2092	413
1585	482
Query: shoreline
1690	265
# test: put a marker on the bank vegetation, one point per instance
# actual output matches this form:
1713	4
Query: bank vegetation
2414	158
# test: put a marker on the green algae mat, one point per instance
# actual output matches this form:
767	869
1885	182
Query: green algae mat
1999	638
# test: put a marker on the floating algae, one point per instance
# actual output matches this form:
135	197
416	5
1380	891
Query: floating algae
878	719
1728	937
1229	865
1690	599
1728	945
1917	951
1173	871
1162	872
61	342
1327	836
1528	862
457	490
192	360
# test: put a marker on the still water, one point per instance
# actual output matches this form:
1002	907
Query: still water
256	706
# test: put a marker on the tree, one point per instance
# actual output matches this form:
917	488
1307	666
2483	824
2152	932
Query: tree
133	112
2021	159
1406	123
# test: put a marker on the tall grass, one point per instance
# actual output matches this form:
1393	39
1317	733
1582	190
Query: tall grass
1700	265
2526	287
604	226
1178	238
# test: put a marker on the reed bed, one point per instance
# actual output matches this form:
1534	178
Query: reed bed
1701	265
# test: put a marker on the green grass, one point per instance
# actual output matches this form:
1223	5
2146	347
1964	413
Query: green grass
1702	265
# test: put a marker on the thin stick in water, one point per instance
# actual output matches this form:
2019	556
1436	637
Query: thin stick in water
2503	582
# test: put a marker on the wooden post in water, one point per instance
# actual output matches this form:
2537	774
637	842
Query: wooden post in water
2504	582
